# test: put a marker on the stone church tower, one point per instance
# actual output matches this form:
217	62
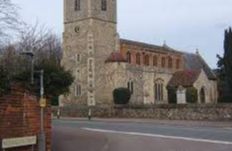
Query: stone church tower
90	36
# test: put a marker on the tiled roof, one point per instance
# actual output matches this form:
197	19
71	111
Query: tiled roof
184	78
154	48
115	57
196	62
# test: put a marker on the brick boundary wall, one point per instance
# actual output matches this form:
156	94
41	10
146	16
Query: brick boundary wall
20	117
207	112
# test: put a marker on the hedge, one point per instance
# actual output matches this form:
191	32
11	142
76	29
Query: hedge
121	96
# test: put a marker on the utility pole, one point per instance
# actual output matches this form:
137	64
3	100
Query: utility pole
42	136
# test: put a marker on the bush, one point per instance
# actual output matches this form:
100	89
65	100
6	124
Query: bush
55	101
121	96
56	79
172	95
4	83
191	95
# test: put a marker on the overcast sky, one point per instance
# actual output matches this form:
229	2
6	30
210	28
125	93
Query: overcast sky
183	24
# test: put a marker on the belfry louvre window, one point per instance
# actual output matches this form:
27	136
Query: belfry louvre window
77	5
103	5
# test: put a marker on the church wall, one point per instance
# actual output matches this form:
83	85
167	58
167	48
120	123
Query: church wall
148	87
114	77
69	7
144	76
135	75
74	44
144	79
200	112
110	14
104	44
89	33
209	87
165	76
214	91
159	52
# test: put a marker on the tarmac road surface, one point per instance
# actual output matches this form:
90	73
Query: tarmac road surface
82	135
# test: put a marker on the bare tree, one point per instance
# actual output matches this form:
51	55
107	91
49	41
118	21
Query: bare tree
46	47
9	20
41	41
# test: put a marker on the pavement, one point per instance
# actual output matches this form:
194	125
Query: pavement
79	134
220	124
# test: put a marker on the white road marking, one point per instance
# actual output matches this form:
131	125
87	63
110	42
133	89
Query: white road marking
228	128
159	136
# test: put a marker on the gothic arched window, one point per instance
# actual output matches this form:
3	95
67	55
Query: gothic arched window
104	5
128	57
169	62
138	58
154	60
78	90
77	5
159	90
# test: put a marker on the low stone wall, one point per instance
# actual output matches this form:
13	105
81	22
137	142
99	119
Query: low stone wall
20	117
211	112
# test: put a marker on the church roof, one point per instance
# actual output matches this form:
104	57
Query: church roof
151	47
115	57
192	61
196	62
184	78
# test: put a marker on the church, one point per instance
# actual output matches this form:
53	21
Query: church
101	61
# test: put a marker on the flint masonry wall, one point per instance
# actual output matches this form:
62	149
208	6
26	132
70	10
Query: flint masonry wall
20	117
209	112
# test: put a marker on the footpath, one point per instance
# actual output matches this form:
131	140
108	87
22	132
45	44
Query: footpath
216	124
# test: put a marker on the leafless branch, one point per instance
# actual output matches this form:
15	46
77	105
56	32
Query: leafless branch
40	40
9	20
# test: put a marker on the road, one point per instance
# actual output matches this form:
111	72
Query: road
81	135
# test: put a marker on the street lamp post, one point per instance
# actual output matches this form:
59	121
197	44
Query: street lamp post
42	136
31	54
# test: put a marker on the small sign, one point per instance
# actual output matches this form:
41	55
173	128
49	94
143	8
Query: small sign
18	142
42	102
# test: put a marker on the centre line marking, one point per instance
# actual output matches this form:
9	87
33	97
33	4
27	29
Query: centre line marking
159	136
